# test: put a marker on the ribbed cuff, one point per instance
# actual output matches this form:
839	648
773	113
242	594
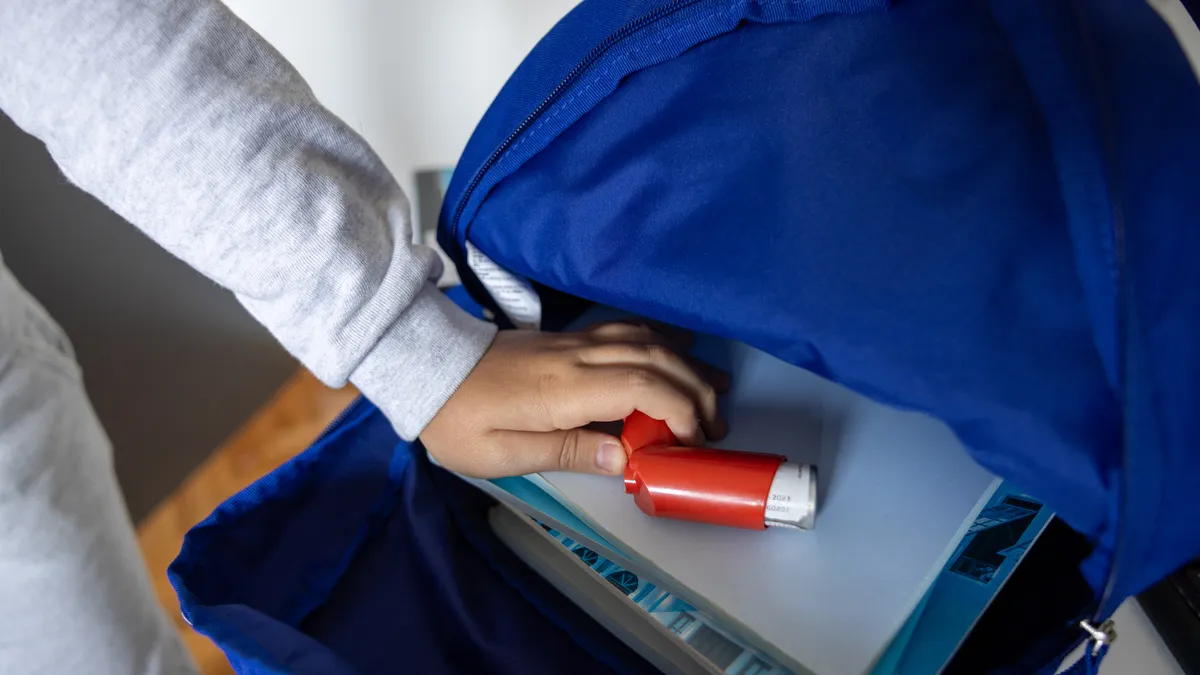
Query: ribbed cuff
421	360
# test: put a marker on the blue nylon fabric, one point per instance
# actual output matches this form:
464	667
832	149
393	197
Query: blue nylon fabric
1088	663
1138	112
983	210
817	223
359	557
558	52
577	40
1154	146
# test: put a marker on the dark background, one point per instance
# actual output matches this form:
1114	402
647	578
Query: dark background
172	362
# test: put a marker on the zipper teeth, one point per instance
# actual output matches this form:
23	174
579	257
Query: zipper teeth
1123	367
568	80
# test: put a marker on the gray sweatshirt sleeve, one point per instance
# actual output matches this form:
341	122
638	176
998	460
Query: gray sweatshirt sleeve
185	122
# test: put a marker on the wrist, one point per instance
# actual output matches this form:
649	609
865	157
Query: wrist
421	360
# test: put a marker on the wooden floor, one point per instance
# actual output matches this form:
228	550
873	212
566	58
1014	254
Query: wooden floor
283	427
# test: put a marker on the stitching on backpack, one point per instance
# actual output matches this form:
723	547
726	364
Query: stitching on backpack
563	105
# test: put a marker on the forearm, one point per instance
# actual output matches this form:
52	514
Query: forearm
185	122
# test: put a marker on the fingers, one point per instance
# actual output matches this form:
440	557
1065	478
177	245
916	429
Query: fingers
641	331
664	370
676	339
609	393
578	450
522	409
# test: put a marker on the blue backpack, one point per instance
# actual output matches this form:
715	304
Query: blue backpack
981	210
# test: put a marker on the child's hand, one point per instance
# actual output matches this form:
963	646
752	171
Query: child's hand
521	409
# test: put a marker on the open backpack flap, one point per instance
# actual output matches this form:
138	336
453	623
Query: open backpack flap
986	211
360	556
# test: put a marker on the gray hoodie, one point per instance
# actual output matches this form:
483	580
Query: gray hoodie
185	122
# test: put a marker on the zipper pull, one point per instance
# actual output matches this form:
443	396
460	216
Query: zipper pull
1097	644
1101	637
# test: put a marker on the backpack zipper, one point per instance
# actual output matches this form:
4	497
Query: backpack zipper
1101	617
556	93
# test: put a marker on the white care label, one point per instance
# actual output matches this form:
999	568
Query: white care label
515	296
792	501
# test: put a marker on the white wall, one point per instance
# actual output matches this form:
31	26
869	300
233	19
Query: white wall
412	76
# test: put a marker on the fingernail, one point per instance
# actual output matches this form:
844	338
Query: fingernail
610	457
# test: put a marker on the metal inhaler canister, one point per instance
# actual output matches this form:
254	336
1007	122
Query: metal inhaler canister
721	487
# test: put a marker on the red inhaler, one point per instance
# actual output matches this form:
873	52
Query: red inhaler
721	487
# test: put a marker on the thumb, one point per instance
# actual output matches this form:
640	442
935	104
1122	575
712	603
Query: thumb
577	450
